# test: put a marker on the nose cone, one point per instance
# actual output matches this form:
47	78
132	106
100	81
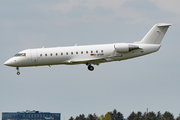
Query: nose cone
9	62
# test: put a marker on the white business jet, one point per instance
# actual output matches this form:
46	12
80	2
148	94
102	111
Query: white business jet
90	54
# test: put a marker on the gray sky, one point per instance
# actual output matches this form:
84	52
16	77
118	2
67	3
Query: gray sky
150	81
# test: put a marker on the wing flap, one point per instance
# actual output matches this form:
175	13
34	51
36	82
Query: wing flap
94	61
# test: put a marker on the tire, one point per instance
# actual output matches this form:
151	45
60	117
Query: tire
91	68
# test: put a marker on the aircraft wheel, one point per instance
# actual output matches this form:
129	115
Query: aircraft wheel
18	73
17	68
91	68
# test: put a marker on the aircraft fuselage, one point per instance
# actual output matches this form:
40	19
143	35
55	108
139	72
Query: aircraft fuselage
95	54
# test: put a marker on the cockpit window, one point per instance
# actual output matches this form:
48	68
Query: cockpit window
20	54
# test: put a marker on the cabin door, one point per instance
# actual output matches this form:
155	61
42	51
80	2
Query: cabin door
34	55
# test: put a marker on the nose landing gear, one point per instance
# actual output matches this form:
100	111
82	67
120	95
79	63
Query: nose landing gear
17	68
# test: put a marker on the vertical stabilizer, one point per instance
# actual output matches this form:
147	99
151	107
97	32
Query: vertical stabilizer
156	34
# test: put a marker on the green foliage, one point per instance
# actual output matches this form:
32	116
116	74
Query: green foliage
101	117
107	117
158	116
145	116
80	117
168	116
132	116
114	115
151	116
92	117
71	118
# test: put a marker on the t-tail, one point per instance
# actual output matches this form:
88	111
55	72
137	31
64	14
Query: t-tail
156	34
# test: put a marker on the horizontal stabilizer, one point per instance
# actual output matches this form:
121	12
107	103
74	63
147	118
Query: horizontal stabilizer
163	25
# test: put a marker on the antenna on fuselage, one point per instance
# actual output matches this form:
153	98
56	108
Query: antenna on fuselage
43	46
75	44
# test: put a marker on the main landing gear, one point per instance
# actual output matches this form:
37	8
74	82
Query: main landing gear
17	68
91	68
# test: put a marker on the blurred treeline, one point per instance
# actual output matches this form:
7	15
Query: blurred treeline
114	115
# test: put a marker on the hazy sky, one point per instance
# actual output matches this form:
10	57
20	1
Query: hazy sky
151	81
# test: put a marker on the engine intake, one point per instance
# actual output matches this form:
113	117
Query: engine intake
124	47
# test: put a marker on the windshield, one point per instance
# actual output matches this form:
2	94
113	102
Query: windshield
20	54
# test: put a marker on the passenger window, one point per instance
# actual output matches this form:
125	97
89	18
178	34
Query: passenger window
66	53
71	53
86	52
51	54
61	53
76	52
96	51
45	54
91	51
81	52
41	55
102	51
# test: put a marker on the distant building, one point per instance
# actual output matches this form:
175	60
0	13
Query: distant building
30	115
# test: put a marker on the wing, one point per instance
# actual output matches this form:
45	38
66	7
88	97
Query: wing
95	61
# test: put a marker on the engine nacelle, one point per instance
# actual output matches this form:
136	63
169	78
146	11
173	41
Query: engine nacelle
124	47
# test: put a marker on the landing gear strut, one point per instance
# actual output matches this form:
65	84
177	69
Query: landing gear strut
17	68
91	68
